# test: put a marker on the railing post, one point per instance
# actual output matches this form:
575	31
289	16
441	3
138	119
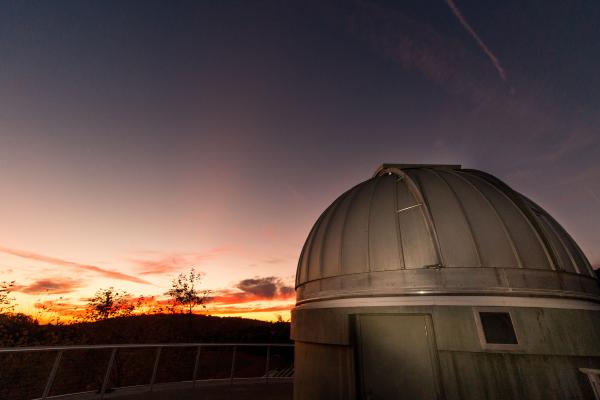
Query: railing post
267	363
158	350
52	375
107	383
196	366
111	360
232	365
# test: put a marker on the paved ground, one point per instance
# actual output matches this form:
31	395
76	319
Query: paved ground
271	391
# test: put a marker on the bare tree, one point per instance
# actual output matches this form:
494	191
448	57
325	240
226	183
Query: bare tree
109	303
6	301
184	290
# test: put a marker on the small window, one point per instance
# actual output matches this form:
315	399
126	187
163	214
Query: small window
497	328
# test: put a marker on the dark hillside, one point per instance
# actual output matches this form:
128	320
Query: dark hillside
21	330
23	374
183	328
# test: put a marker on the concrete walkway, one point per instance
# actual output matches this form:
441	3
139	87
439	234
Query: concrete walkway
251	391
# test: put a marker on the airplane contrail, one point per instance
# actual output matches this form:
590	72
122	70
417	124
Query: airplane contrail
475	36
594	195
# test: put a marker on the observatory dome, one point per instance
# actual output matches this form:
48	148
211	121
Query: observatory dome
416	229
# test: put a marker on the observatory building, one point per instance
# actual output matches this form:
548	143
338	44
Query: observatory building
436	282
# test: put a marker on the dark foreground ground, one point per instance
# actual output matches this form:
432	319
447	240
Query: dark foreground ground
271	391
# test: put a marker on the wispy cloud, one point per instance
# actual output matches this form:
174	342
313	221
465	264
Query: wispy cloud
50	286
276	260
594	195
71	264
419	47
480	42
161	263
580	136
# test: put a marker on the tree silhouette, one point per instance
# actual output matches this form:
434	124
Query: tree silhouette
184	290
6	301
109	303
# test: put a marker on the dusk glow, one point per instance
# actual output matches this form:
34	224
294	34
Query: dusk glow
138	140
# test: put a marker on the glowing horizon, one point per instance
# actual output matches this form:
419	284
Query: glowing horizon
266	298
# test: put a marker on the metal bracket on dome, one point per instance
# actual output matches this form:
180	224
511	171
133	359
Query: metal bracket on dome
396	169
390	168
409	207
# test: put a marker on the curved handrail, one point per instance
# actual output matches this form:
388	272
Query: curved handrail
134	346
60	350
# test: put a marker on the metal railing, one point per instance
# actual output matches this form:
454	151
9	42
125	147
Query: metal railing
48	371
594	378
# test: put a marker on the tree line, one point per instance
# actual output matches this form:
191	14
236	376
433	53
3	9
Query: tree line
185	295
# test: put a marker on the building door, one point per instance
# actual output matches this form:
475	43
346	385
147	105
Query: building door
396	357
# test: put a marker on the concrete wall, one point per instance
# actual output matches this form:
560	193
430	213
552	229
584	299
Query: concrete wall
501	376
554	344
323	371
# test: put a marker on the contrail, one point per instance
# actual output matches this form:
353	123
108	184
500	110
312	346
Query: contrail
472	32
594	195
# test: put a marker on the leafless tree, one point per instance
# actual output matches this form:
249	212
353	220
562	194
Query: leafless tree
185	293
6	301
109	303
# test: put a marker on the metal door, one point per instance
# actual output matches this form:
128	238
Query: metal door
396	357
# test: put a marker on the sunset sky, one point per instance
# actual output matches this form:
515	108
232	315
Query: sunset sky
138	139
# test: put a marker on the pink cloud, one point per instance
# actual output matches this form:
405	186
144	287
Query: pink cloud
71	264
175	262
50	286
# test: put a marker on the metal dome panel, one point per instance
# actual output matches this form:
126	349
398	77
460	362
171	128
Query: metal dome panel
427	217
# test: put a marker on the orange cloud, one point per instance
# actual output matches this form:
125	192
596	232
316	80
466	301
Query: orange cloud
49	286
258	294
252	297
61	307
248	310
64	263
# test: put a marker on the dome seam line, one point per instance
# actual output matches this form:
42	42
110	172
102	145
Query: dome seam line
464	213
521	209
399	245
496	213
